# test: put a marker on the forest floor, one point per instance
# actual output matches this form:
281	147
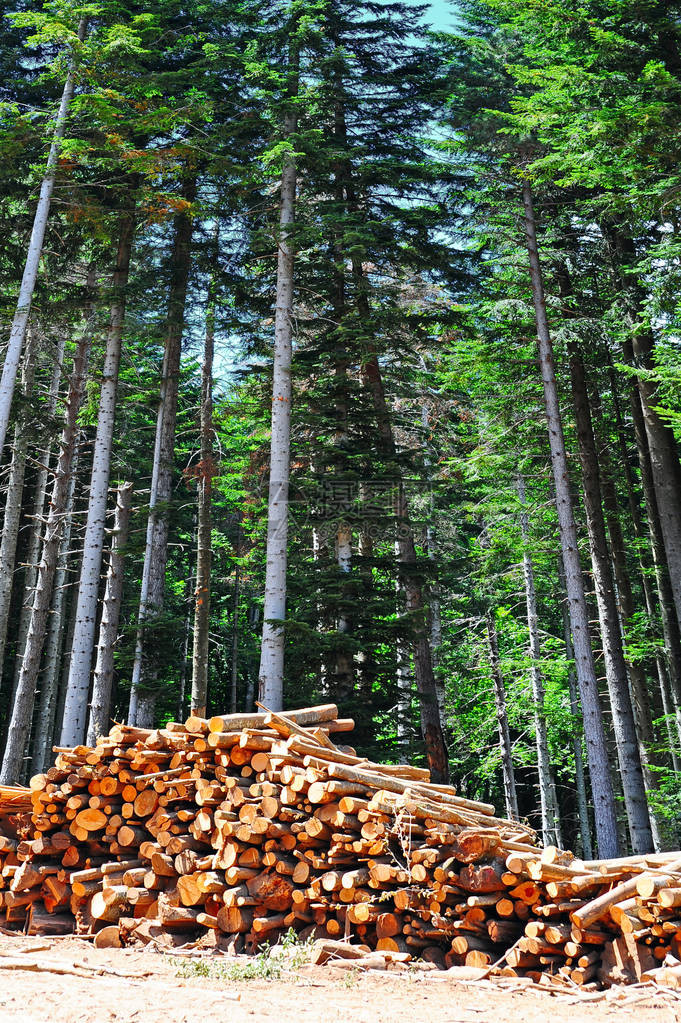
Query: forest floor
144	987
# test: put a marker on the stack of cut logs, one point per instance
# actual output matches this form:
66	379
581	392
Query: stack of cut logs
230	831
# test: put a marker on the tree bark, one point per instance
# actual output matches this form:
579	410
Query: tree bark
580	780
47	706
662	449
624	727
669	666
100	704
601	782
548	799
199	698
235	625
13	499
36	532
76	699
271	671
640	696
35	247
508	774
410	577
22	708
146	665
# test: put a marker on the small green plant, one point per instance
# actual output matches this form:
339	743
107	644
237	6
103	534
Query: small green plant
270	962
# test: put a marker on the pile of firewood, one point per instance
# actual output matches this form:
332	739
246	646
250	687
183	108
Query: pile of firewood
231	831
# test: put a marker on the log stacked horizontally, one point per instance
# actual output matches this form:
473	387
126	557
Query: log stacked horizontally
231	831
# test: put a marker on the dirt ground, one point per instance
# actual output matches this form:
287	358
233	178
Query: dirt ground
147	987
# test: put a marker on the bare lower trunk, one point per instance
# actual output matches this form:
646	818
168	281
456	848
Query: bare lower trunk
102	682
580	780
148	643
189	592
662	448
22	709
76	700
199	698
235	626
643	720
403	725
547	789
35	248
410	580
47	707
626	740
36	533
510	795
344	664
669	667
13	499
271	671
601	782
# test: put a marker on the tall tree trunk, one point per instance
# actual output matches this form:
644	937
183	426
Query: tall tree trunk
403	724
670	622
189	590
235	624
13	499
669	669
271	671
199	698
662	448
431	547
626	740
22	708
35	248
76	699
102	682
49	679
40	494
643	720
508	774
601	782
548	799
410	579
146	665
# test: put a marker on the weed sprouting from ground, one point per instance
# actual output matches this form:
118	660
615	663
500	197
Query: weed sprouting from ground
271	962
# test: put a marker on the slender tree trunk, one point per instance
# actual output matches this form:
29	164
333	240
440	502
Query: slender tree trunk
670	623
510	795
36	533
624	727
146	665
35	248
199	698
669	670
640	696
575	710
434	594
22	709
102	683
662	448
416	605
76	699
548	799
403	724
271	671
235	624
47	707
189	591
13	499
601	782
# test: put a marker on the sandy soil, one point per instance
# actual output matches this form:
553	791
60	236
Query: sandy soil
151	988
